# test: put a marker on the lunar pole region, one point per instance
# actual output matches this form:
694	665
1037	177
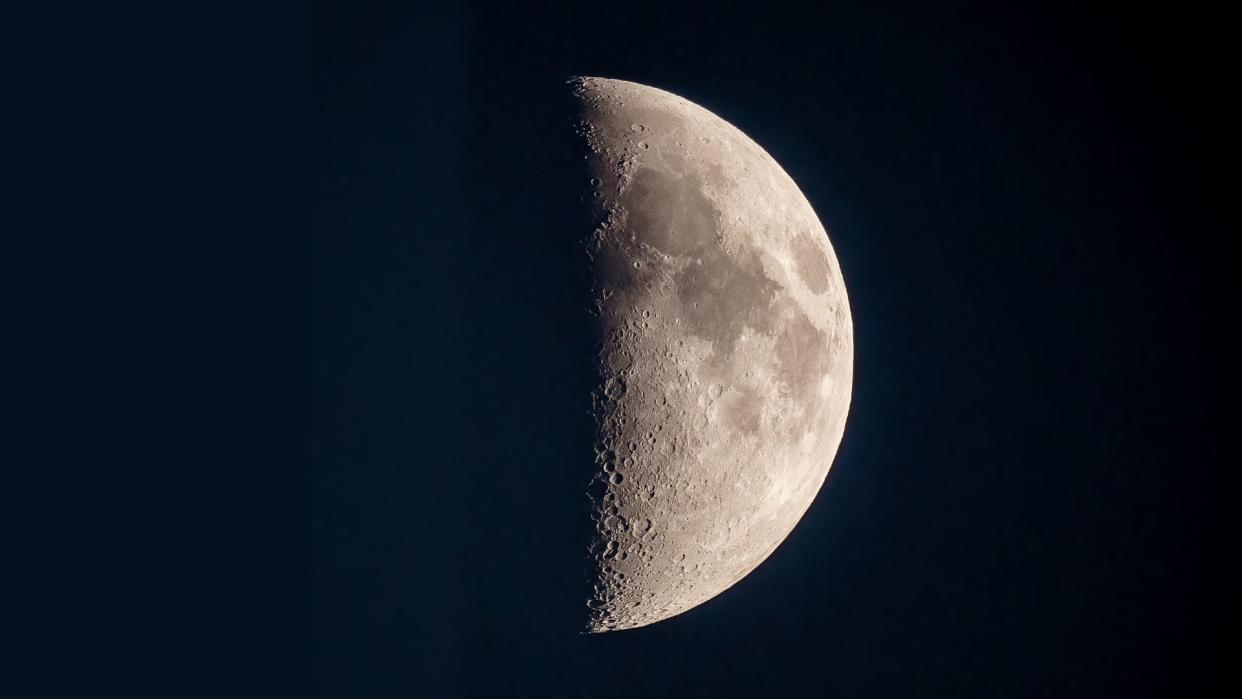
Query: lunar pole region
725	352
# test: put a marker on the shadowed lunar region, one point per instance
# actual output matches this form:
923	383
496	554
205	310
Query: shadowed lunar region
725	352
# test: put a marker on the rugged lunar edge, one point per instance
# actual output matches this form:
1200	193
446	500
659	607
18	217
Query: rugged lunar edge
725	352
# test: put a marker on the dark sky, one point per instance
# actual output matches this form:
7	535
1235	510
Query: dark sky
1027	205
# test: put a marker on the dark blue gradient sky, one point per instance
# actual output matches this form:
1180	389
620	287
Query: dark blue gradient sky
1028	210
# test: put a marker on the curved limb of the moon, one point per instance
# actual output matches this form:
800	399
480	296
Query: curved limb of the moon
726	352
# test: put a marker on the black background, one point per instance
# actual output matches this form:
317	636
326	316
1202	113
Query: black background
1027	203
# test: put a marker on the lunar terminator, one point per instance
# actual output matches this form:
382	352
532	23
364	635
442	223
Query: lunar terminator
725	352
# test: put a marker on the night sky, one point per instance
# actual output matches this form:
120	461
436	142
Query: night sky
1027	207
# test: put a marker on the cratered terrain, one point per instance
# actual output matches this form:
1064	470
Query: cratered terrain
725	352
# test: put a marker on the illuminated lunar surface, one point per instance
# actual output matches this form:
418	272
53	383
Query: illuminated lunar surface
725	353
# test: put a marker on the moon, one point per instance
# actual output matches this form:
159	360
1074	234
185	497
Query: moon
725	352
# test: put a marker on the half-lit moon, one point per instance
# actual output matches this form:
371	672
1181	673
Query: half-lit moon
726	352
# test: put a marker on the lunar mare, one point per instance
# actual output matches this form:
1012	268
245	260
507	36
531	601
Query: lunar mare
725	352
